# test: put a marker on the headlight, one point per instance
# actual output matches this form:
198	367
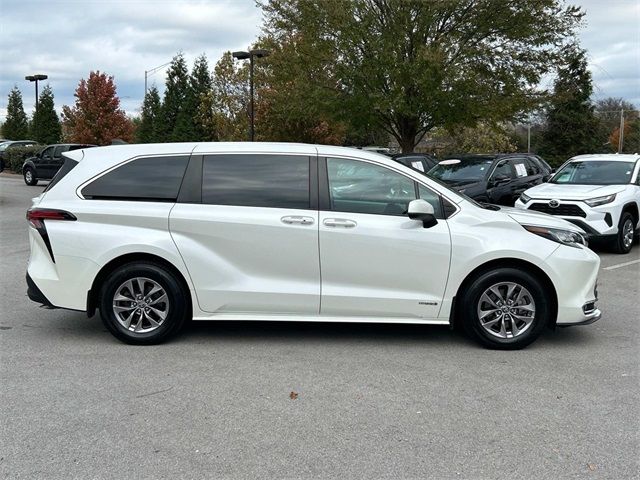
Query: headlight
565	237
524	198
594	202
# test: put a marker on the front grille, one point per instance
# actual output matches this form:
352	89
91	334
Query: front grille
564	210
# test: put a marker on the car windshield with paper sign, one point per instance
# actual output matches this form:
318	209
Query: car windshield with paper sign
496	179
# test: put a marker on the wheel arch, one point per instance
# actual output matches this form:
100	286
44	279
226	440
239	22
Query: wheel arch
28	164
93	295
632	208
507	263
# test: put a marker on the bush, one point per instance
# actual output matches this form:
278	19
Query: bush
15	157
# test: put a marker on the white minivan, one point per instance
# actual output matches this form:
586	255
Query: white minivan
153	235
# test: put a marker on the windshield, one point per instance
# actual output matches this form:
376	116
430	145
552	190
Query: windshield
594	172
3	146
461	171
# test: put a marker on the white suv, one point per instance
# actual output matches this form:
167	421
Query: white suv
598	193
153	235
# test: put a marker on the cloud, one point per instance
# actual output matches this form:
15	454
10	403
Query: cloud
66	39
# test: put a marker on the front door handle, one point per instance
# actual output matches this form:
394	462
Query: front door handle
339	222
297	220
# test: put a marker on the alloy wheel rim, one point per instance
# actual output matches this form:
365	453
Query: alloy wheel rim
28	175
627	234
140	305
506	310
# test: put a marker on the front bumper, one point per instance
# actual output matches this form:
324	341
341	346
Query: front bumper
596	221
588	319
574	273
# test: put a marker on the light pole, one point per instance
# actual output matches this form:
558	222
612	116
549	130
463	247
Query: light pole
151	72
36	79
251	54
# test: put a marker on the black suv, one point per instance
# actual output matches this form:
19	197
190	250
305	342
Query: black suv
47	163
498	179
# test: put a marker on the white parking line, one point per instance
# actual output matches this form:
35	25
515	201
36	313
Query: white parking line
620	265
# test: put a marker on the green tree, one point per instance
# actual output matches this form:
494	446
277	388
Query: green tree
413	65
16	124
175	94
46	124
223	110
200	85
571	125
150	116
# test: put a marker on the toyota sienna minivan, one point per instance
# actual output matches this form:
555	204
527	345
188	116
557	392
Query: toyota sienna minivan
154	235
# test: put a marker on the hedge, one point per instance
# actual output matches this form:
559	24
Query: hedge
15	157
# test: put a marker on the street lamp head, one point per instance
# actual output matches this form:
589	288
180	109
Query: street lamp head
260	53
241	55
35	78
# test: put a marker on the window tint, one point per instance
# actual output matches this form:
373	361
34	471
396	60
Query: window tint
47	152
276	181
361	187
532	167
58	151
153	179
433	198
503	169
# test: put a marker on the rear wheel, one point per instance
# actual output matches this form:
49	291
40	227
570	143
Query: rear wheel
143	303
505	309
30	176
624	239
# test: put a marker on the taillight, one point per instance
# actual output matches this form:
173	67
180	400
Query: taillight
36	218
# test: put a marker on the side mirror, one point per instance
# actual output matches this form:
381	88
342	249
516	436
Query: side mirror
423	211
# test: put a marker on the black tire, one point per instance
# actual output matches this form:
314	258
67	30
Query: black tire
178	308
619	245
30	177
471	297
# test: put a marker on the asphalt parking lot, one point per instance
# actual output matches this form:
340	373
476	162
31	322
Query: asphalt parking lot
373	401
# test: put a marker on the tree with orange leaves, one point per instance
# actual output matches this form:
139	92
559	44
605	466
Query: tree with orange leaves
96	116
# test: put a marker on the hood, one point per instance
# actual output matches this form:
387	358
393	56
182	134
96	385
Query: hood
529	217
559	191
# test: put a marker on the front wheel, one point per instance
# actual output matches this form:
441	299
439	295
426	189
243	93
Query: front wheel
143	303
30	177
505	309
624	239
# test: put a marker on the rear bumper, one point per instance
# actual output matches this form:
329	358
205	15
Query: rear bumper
36	295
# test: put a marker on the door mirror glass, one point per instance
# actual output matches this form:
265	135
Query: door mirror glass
423	211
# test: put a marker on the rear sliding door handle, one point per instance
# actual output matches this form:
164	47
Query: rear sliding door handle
339	222
297	220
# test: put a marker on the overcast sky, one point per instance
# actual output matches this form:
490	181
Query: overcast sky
66	39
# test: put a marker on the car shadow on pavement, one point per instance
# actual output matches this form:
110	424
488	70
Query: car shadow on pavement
76	326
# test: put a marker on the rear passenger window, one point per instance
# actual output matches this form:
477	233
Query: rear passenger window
276	181
151	179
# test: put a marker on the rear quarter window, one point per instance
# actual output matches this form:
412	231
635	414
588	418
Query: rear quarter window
152	179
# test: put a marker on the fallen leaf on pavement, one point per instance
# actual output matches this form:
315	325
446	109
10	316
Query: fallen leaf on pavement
293	395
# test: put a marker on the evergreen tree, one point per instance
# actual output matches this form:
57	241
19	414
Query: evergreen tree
175	94
46	124
571	126
200	85
151	115
16	125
